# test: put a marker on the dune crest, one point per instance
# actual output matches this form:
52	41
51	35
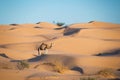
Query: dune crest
96	24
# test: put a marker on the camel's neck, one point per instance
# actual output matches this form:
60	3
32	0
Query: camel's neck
48	47
43	46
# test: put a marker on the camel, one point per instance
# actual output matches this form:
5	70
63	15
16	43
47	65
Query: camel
44	47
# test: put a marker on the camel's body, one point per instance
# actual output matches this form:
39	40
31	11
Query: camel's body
44	47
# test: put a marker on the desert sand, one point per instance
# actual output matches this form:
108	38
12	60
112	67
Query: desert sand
82	51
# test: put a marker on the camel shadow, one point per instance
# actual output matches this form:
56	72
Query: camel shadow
37	58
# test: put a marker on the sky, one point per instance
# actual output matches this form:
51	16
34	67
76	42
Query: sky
68	11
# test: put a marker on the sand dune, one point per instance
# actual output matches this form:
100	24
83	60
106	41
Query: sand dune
100	34
80	50
25	38
84	45
96	24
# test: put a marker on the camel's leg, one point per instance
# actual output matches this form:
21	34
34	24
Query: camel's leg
46	51
39	51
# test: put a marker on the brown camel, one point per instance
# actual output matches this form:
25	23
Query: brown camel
44	47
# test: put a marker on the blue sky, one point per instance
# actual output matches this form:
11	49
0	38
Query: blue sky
68	11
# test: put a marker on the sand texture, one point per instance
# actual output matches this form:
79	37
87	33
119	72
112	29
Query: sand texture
81	51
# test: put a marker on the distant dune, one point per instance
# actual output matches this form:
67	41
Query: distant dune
96	24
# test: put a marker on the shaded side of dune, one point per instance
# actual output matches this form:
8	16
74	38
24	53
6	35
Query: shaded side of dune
110	53
79	69
4	55
70	31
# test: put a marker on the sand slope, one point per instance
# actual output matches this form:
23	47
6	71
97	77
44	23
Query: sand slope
84	48
92	38
25	38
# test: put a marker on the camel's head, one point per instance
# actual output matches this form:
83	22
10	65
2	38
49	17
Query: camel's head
52	43
50	46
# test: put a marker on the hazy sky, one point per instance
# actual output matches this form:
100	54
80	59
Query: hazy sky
68	11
